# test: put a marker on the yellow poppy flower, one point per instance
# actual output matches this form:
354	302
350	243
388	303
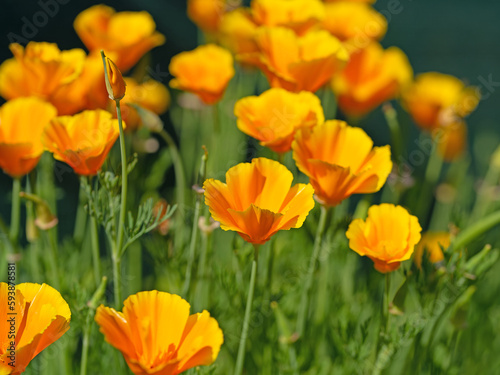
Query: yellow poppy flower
129	35
372	76
451	140
433	95
325	154
257	200
296	63
156	334
206	14
21	125
237	30
431	244
388	236
39	69
298	15
204	71
354	22
83	141
275	115
42	317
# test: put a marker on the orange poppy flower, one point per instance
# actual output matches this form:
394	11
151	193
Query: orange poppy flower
356	23
204	71
151	95
325	154
388	236
432	97
129	35
42	317
115	84
372	76
237	30
156	334
296	63
83	141
39	69
451	140
275	115
298	15
431	243
206	14
21	125
257	200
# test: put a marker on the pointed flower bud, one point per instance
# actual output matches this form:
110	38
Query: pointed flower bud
115	84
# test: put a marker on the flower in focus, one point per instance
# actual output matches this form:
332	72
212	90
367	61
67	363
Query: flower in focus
451	140
206	14
325	154
355	23
431	244
372	76
433	96
21	124
296	63
257	200
298	15
150	95
275	115
237	30
129	35
388	236
39	69
83	141
115	84
204	71
156	334
42	317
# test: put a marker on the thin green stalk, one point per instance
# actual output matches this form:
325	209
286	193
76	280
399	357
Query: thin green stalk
386	302
475	230
81	218
117	278
432	173
180	181
391	117
304	302
216	118
52	253
15	217
248	310
194	232
123	206
202	286
96	257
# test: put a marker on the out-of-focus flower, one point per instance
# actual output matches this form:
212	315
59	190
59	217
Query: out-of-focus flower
298	15
388	236
431	244
129	35
39	69
206	14
21	124
237	30
297	63
156	334
45	219
150	95
372	76
115	84
434	96
275	115
354	23
160	209
451	140
83	141
257	200
325	154
41	317
204	71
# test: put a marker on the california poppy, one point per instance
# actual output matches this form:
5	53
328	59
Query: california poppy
237	30
258	200
388	236
156	334
325	154
206	14
430	246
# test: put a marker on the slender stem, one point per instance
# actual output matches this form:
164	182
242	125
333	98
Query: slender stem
391	117
96	257
123	206
180	181
475	230
386	301
117	279
432	173
304	303
53	257
15	217
248	310
81	218
216	118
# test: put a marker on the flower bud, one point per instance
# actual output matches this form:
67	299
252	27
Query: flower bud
115	84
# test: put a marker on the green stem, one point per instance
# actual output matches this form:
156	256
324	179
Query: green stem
248	310
391	117
53	257
304	302
117	279
96	257
475	230
386	301
216	118
180	180
81	218
432	173
123	206
15	217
